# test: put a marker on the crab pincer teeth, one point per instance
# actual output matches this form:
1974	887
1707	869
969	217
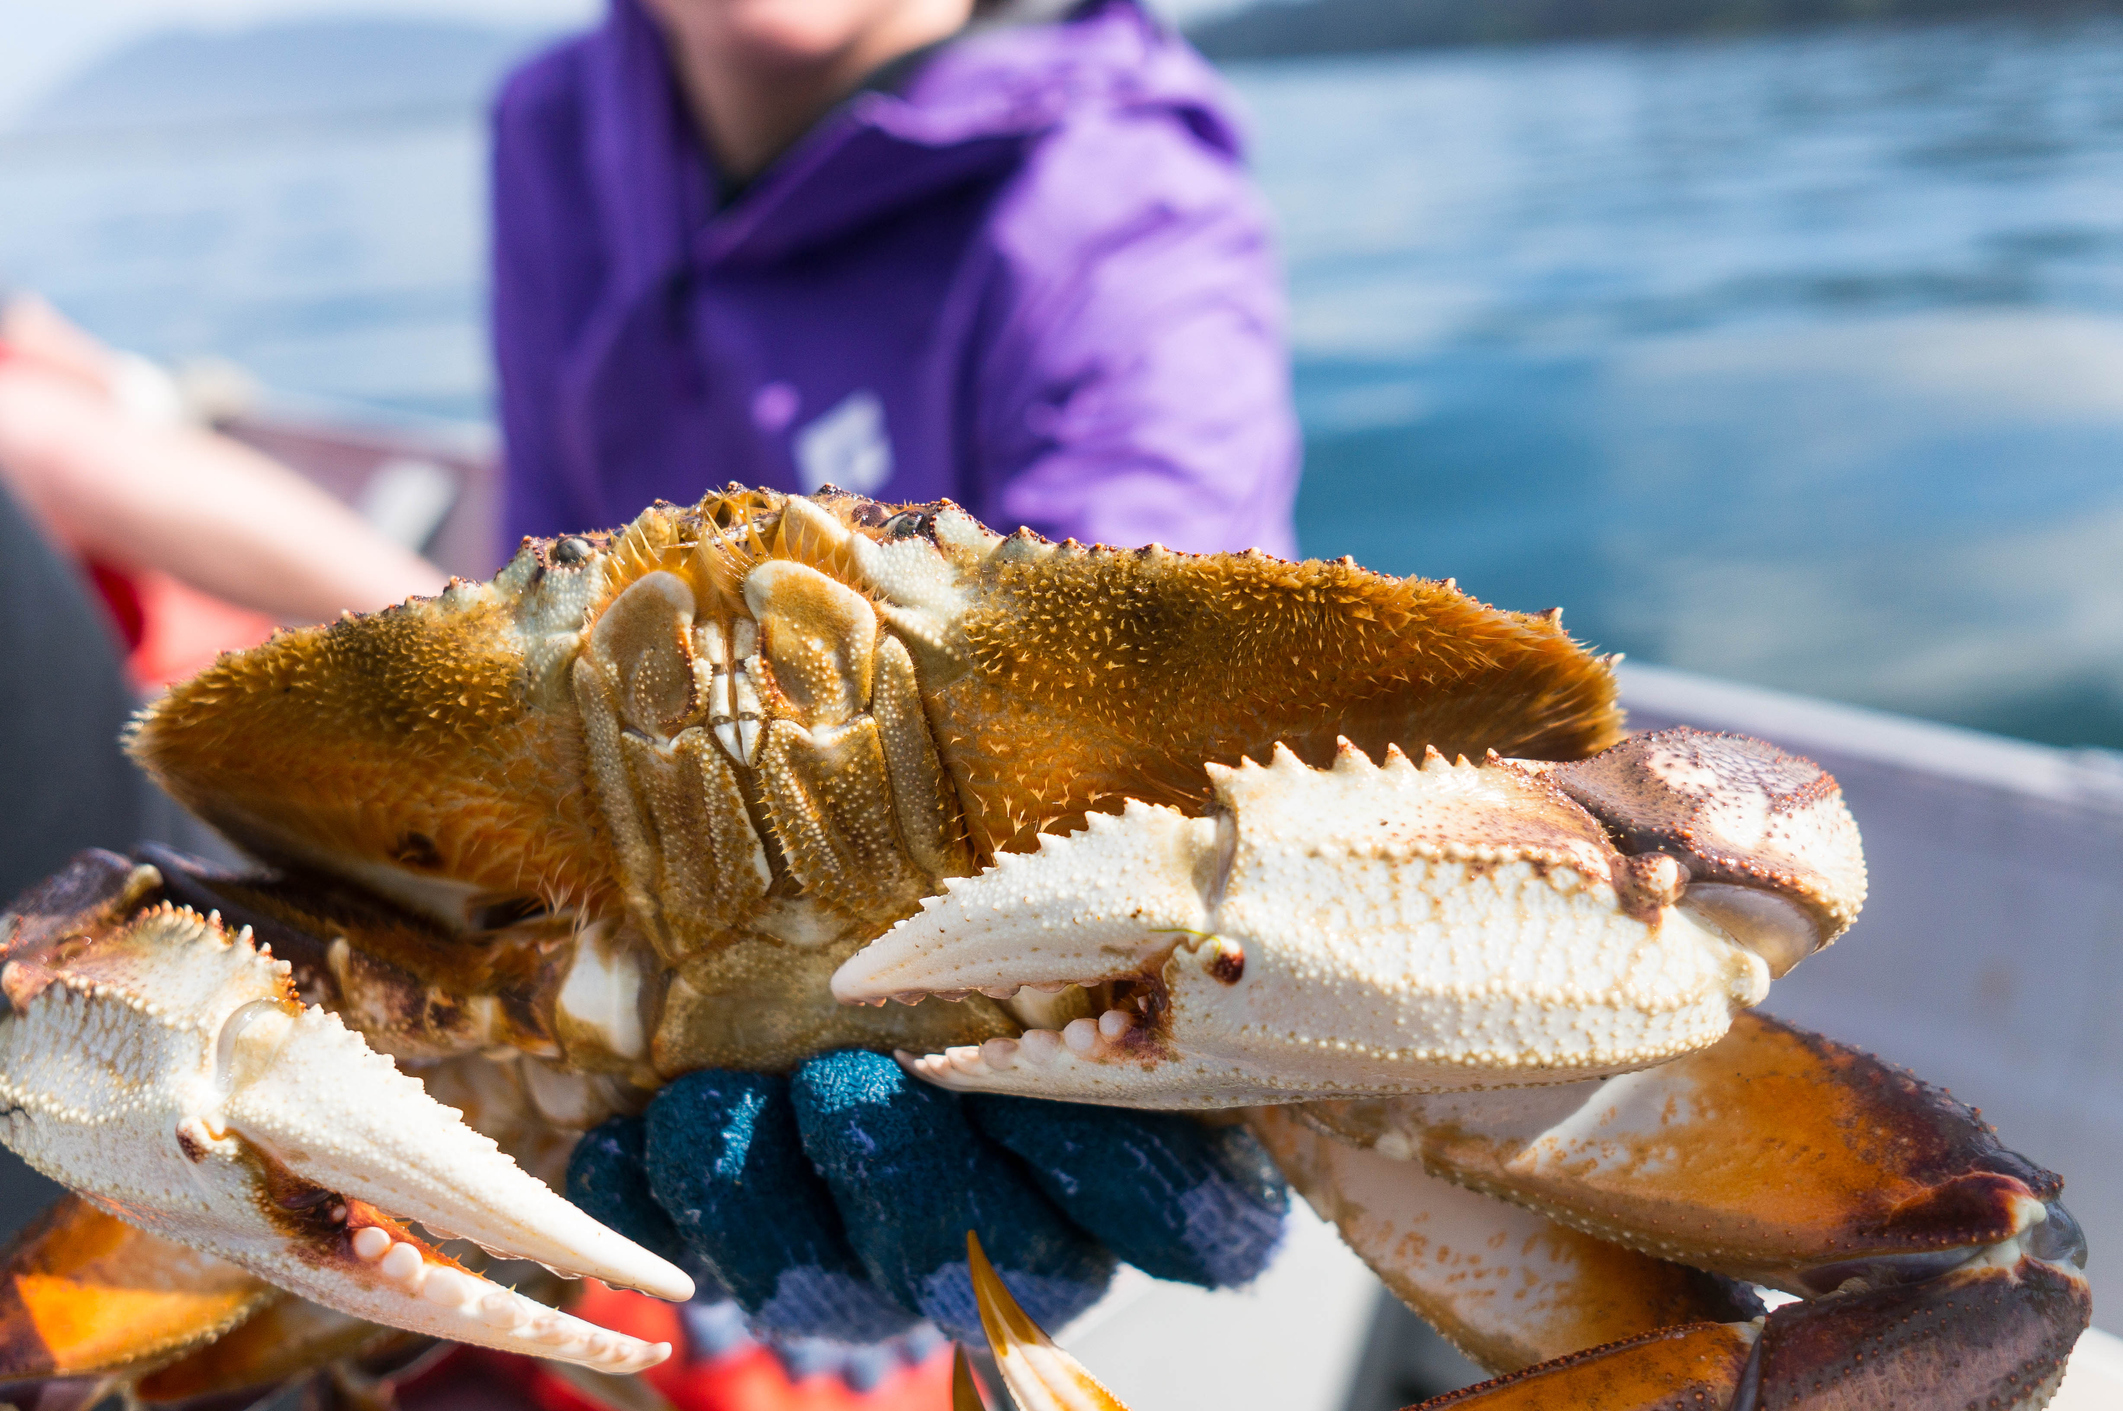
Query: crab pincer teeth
1372	928
382	1271
344	1118
163	1069
1084	908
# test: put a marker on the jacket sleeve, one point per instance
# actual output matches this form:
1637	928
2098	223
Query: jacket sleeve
1136	386
535	223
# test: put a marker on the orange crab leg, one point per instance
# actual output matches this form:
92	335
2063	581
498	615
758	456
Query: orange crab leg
1698	1365
1981	1336
85	1293
1041	1376
1508	1287
284	1339
1873	1169
1990	1337
1943	1267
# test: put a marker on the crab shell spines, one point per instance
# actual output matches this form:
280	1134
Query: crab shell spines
1098	674
1363	928
406	750
753	733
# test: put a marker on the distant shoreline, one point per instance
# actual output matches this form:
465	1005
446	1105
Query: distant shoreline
1275	29
182	85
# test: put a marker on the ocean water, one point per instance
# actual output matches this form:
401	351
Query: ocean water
1796	360
339	259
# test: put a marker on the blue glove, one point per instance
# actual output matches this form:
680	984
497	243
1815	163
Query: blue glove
835	1203
1176	1198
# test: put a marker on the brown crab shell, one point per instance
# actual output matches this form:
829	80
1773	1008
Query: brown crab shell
442	740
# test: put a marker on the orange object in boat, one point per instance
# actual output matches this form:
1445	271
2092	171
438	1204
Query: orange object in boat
746	1377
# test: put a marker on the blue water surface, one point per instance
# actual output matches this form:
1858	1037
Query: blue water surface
1796	360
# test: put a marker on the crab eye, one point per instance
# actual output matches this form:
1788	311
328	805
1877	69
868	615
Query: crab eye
908	523
571	550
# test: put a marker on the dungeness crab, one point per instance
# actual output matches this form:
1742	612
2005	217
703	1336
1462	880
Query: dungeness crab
1355	855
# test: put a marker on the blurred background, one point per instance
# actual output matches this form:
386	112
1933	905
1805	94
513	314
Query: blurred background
1786	353
1781	343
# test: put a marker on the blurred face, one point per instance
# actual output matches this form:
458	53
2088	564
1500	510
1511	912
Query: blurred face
759	72
796	34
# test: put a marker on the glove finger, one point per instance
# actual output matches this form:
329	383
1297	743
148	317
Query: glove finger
1170	1194
608	1181
911	1177
727	1165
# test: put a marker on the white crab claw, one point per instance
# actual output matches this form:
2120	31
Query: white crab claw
164	1069
1364	929
1770	852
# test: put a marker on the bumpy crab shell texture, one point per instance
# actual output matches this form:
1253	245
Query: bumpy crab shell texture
725	747
1132	826
164	1069
1359	929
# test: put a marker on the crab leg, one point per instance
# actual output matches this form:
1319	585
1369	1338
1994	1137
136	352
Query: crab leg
1506	1286
163	1069
1940	1267
75	1264
1041	1376
1876	1172
1698	1365
283	1340
1992	1337
1956	1273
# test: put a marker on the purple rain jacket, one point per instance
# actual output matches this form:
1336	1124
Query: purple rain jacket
1032	277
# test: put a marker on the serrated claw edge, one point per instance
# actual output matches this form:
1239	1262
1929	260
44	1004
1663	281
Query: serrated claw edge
1369	928
163	1069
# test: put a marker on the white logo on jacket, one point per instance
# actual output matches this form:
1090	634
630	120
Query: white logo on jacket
846	446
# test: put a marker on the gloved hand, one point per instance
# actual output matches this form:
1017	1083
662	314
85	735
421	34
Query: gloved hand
835	1202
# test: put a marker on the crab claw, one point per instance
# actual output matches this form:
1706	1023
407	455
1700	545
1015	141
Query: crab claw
1763	837
164	1070
1041	1376
1362	929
